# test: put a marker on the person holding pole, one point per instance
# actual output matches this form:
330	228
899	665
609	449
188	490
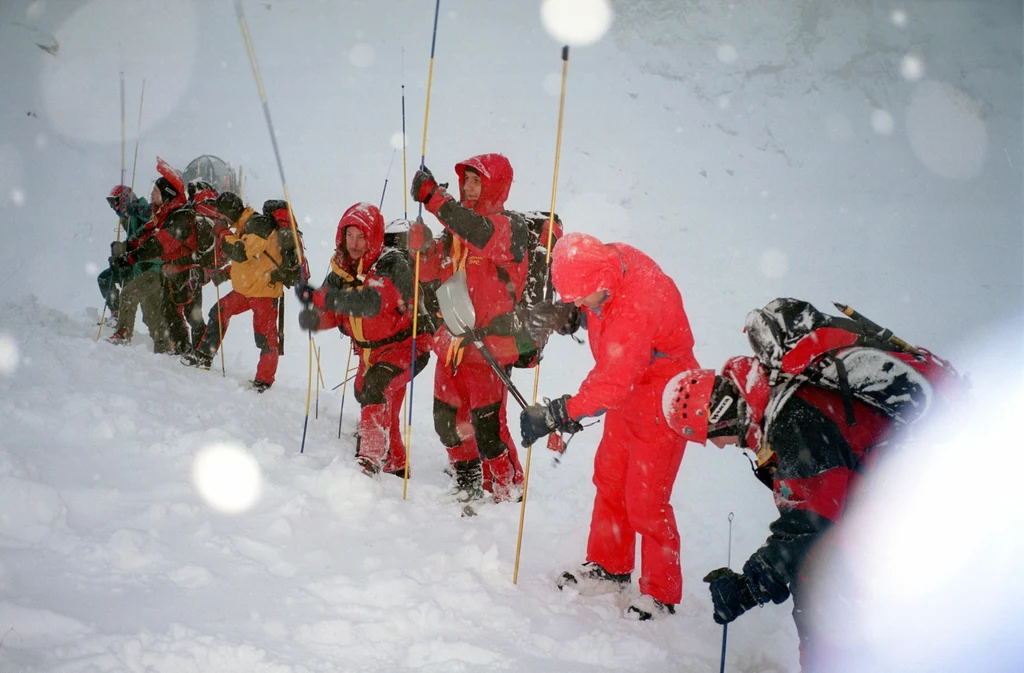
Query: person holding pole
489	244
368	295
640	338
142	284
253	248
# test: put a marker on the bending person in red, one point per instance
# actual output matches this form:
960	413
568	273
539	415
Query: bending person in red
368	295
489	244
639	334
817	461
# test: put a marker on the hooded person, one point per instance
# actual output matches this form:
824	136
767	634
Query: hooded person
142	284
489	244
253	250
368	296
639	336
809	454
171	237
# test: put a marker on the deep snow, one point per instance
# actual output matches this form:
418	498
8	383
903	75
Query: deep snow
865	152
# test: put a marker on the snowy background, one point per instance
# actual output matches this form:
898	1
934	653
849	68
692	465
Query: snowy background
857	151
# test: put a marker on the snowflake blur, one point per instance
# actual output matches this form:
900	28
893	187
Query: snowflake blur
576	22
227	478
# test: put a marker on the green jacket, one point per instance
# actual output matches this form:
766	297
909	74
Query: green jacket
134	223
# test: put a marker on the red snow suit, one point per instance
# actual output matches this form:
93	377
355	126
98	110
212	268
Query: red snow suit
489	244
821	460
640	337
370	300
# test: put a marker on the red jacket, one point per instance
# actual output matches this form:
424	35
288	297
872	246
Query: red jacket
369	299
489	243
171	234
640	335
820	462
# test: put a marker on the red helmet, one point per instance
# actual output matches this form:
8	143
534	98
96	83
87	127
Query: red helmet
119	198
685	403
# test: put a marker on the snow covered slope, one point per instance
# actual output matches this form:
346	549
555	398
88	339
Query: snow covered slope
866	152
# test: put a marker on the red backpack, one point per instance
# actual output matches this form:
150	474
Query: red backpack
853	356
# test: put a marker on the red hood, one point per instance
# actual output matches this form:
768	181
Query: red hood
174	177
582	265
496	181
205	203
368	219
751	379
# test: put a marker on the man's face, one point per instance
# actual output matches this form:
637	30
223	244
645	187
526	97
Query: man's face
154	196
722	442
355	242
471	186
592	300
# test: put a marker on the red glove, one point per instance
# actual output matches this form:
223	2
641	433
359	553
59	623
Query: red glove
420	237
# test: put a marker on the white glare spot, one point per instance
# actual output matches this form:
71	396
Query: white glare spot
8	355
396	140
945	130
227	478
80	88
361	55
774	264
881	122
723	102
911	68
838	128
18	196
726	53
42	141
91	269
553	84
899	18
765	194
576	22
307	220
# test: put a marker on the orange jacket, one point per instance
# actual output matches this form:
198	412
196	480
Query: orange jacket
251	278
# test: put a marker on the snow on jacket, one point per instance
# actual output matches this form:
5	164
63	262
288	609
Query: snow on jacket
258	237
369	298
640	336
820	461
490	244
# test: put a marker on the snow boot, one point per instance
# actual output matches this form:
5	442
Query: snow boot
120	337
260	386
645	607
197	358
370	468
469	479
591	579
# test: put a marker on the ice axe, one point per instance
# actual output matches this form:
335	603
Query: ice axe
460	317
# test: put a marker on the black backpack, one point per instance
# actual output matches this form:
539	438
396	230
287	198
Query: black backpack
538	285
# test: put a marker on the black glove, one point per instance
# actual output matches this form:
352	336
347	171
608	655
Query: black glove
218	276
120	262
730	593
541	420
309	318
304	291
117	248
547	317
234	251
